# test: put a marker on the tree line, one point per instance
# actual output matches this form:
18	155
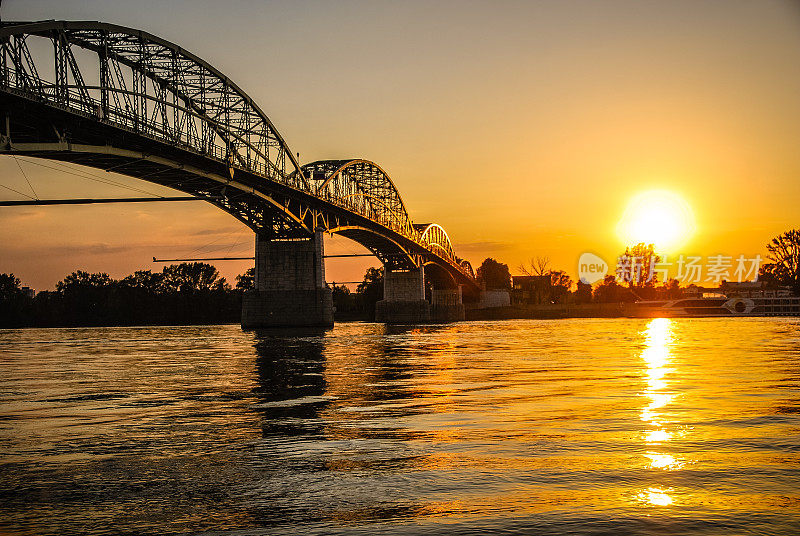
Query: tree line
195	293
186	293
556	286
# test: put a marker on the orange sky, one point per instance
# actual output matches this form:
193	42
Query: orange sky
523	128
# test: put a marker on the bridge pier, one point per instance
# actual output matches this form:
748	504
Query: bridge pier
403	298
446	305
290	285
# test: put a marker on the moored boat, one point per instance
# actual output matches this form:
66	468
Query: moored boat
723	303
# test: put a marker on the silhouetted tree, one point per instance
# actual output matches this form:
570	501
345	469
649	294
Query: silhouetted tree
9	287
192	277
144	280
560	285
583	293
536	266
343	299
494	275
80	280
641	260
784	254
370	290
766	276
639	263
12	301
87	298
247	280
139	298
671	289
609	291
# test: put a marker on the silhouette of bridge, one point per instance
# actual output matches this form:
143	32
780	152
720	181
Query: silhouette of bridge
123	100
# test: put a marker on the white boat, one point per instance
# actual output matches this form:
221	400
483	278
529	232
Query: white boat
756	303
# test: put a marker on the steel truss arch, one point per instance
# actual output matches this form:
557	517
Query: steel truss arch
436	238
363	187
123	100
466	267
150	86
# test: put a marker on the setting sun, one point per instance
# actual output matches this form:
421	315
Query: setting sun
657	217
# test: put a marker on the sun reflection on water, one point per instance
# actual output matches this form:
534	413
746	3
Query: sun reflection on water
663	461
656	436
656	357
656	497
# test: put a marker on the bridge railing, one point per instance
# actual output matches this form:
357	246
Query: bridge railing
73	98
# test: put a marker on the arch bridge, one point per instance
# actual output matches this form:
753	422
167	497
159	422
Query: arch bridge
123	100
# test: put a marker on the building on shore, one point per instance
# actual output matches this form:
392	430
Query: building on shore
531	289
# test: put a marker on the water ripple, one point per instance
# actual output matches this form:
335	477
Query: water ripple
509	427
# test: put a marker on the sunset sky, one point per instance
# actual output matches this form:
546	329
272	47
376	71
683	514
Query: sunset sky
523	128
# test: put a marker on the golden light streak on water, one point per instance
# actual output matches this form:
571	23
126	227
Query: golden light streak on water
656	497
655	436
663	461
656	357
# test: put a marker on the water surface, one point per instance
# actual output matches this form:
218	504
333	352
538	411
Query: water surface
664	426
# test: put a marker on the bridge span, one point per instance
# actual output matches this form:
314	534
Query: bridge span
123	100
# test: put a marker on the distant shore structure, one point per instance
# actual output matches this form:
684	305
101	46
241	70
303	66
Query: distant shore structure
748	298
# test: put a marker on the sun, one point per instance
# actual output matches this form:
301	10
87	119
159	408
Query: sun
657	217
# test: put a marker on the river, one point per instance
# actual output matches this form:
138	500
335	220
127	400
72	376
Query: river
554	427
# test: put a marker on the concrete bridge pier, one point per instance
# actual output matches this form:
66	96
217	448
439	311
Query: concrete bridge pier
447	305
290	288
403	298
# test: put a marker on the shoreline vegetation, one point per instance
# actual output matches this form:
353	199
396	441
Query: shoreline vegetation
181	294
195	293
